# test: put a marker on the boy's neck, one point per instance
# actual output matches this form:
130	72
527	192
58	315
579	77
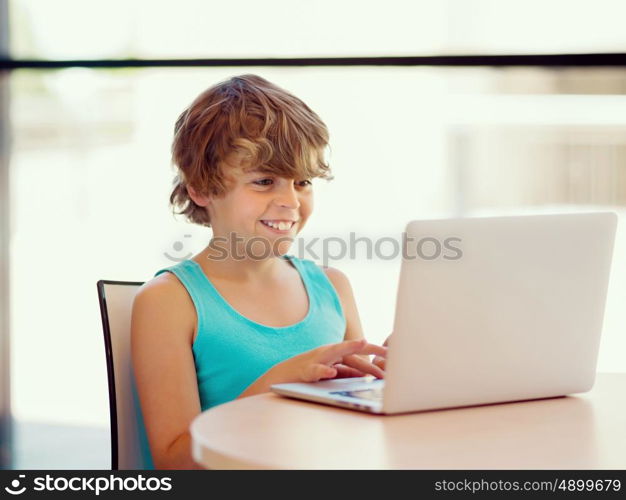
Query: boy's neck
243	269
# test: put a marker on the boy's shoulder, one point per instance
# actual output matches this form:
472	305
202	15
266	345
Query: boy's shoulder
329	271
162	280
162	308
162	288
336	277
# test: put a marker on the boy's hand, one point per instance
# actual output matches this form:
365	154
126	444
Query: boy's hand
379	360
331	361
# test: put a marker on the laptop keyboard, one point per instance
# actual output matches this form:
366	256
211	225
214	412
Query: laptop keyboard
375	394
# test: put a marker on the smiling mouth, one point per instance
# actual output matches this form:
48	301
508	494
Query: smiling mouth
282	226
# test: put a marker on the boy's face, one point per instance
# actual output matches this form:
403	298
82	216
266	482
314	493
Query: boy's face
254	201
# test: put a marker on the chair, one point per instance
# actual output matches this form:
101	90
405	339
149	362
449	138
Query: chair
129	445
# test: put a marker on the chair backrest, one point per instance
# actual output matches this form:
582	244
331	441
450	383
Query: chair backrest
129	448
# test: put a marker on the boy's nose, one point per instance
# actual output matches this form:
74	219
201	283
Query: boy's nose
288	197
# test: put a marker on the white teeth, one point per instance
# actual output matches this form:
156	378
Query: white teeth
282	226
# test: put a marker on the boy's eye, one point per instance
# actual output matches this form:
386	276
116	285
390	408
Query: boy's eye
265	182
262	182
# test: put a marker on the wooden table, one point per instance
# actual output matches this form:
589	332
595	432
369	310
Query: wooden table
583	431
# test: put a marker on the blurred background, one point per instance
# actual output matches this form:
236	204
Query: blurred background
86	170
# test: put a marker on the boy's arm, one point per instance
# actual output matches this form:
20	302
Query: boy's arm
340	281
162	328
354	330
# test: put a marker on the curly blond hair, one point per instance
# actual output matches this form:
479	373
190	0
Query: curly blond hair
243	121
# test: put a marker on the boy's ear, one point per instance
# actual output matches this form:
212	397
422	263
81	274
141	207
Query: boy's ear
199	199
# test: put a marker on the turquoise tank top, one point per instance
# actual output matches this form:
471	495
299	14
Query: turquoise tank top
231	351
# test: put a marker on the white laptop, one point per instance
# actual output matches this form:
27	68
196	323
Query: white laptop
488	310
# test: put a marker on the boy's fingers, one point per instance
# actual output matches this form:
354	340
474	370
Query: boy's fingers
317	371
364	366
334	352
327	372
344	371
380	362
373	349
